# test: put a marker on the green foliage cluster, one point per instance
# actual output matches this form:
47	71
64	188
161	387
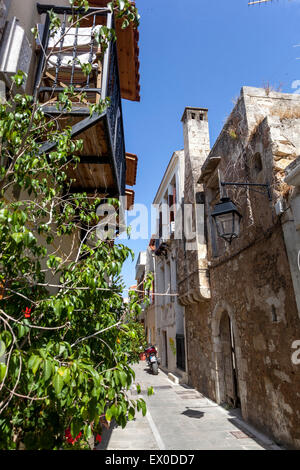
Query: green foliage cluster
134	342
67	339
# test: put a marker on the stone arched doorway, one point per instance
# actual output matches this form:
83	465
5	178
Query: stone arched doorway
226	360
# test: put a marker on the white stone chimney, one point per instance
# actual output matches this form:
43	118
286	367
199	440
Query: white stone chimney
196	140
196	150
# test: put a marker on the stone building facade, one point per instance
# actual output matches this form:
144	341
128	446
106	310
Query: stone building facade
192	266
169	313
242	326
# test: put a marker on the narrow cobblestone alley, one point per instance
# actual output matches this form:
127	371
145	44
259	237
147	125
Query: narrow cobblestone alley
180	418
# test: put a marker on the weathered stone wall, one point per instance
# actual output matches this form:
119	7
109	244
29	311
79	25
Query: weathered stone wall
193	285
252	310
192	252
199	348
250	279
255	288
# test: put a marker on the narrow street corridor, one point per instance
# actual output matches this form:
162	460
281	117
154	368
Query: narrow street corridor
180	418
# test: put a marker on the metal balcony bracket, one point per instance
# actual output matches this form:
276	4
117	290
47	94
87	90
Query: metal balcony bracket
42	8
77	129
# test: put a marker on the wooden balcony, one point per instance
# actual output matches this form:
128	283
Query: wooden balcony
102	167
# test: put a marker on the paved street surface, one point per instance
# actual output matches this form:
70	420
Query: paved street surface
180	418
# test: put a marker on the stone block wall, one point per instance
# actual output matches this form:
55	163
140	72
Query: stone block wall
192	252
250	279
255	289
250	305
200	348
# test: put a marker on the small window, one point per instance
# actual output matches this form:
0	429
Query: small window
160	225
201	117
193	116
274	314
257	163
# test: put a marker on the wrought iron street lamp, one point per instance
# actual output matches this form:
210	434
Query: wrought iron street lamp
226	215
227	219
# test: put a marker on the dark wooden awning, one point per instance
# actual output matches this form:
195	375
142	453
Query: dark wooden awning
131	169
129	193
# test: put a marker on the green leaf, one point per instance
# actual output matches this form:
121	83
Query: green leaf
54	261
17	237
131	414
116	377
19	78
36	364
29	239
114	411
92	409
123	378
108	374
150	391
34	32
58	383
64	373
62	348
32	360
2	371
47	369
125	24
22	330
58	308
108	415
76	426
124	327
87	431
2	348
111	394
143	406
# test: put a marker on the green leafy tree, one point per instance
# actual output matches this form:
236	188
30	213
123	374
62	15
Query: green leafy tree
133	339
66	337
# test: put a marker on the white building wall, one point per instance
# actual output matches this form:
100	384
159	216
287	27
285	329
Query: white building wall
169	313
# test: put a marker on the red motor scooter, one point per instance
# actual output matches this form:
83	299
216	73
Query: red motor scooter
152	359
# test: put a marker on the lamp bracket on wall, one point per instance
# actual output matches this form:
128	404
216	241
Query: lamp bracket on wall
261	188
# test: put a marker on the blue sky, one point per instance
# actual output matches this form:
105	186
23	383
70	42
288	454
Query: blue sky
200	53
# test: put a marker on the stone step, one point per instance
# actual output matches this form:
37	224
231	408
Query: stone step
175	378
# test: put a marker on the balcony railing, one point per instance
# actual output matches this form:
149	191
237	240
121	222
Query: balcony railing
115	119
69	47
